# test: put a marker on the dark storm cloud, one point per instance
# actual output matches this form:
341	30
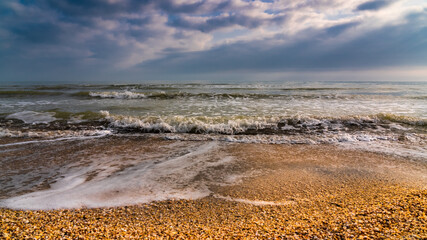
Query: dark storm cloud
52	23
47	21
389	46
97	7
89	37
373	5
108	9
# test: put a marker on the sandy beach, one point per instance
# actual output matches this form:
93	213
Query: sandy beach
279	191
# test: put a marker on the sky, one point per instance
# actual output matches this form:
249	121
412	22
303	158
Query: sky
131	41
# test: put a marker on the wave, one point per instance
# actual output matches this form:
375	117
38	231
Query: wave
119	95
223	86
32	117
253	125
227	125
169	95
318	89
180	94
419	97
402	119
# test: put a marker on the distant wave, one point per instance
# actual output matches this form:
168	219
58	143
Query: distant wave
220	86
317	89
119	95
180	94
170	95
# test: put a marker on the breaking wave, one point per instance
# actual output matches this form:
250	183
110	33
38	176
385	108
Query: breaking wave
402	119
169	95
252	125
120	95
228	125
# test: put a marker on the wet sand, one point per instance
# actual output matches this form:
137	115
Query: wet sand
280	191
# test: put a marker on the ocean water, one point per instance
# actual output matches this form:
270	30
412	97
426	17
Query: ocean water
290	109
217	103
196	121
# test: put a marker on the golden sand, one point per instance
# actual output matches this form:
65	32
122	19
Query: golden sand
394	212
296	192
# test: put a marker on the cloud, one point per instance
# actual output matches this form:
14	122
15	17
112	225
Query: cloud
401	45
373	5
91	8
340	28
38	32
205	36
224	21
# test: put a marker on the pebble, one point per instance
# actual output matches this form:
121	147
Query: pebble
402	216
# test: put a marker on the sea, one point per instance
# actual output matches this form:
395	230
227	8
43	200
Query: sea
65	146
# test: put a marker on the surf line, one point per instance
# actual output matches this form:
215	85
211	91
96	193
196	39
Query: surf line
55	140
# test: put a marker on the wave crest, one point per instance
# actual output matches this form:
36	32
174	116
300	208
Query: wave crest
119	95
252	125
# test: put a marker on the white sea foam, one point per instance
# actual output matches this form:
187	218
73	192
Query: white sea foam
179	170
288	139
33	117
216	124
169	174
413	145
52	136
255	124
4	132
119	95
183	124
395	148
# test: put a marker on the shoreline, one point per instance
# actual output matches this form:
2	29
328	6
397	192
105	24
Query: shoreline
252	191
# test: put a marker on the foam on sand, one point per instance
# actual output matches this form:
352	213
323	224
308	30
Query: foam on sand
125	179
51	136
128	170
